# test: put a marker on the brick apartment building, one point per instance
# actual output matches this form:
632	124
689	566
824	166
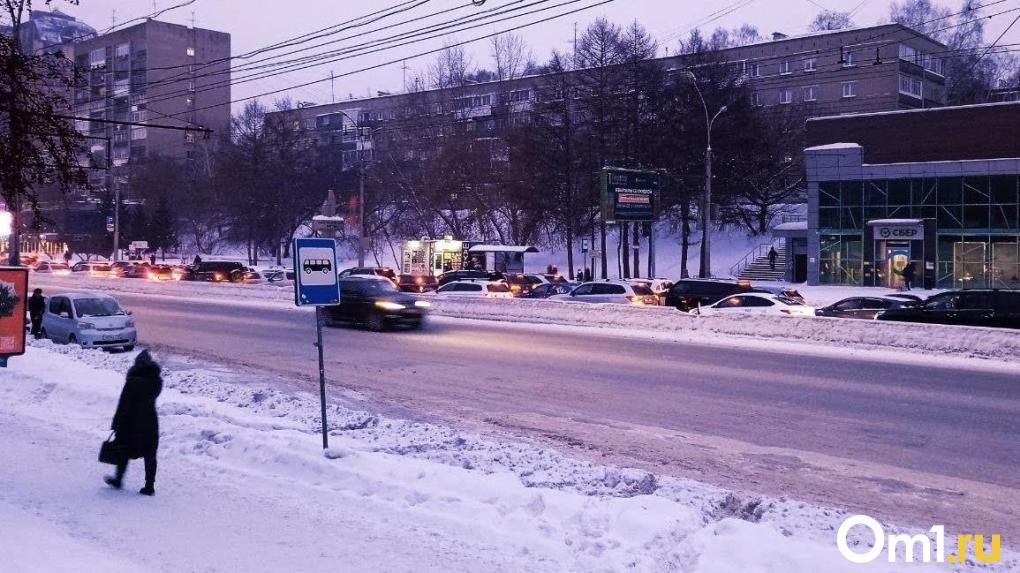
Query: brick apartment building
879	68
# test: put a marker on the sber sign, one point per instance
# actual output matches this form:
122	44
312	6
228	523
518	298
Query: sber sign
900	232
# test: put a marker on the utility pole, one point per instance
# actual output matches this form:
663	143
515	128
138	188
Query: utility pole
361	211
332	87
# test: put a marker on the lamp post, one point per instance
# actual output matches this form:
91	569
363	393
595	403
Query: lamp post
705	264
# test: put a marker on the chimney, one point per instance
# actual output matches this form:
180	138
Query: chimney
778	36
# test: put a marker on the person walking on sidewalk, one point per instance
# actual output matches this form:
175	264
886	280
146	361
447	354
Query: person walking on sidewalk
36	308
907	274
135	423
773	255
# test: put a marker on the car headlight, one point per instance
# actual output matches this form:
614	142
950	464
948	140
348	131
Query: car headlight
387	305
422	303
86	326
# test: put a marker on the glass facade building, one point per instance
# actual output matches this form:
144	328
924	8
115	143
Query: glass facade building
958	223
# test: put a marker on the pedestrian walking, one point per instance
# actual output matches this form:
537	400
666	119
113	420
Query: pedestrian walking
908	276
198	260
152	259
36	308
135	424
773	255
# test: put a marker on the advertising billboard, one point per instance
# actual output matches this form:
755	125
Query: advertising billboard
13	298
629	195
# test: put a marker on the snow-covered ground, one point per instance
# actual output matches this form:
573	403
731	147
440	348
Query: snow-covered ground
243	485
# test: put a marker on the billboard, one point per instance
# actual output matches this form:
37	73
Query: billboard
13	298
629	195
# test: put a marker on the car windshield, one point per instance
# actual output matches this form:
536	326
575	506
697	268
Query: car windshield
85	307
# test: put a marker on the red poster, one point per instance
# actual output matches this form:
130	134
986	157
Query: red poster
13	298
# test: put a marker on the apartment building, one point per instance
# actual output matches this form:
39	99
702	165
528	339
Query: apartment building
154	72
48	31
873	69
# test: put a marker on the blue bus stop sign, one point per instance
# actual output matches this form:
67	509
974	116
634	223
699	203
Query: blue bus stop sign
315	272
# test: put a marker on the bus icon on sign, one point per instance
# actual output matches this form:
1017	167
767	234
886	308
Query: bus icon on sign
317	265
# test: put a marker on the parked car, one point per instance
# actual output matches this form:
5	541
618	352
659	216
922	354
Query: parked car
546	290
486	289
217	271
688	294
378	271
904	296
756	303
377	304
51	268
521	283
862	307
89	319
416	283
278	276
970	307
159	272
120	267
102	270
450	276
611	292
136	271
788	292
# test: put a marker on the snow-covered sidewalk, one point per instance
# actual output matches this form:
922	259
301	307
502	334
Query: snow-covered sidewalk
243	485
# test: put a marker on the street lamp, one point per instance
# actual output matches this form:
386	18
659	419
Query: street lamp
705	264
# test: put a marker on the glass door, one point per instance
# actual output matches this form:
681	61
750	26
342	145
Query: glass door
969	266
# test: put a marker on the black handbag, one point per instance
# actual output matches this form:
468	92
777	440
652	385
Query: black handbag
112	452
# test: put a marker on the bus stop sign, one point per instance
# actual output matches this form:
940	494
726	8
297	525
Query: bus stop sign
315	272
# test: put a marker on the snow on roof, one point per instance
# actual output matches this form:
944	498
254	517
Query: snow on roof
833	146
502	249
902	111
792	226
328	219
895	222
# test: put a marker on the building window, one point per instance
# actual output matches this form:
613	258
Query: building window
756	99
849	59
138	133
122	51
97	58
810	93
785	95
520	95
934	65
809	64
908	53
784	67
191	51
911	86
189	137
755	70
850	89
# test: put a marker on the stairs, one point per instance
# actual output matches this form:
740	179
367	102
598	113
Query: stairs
758	269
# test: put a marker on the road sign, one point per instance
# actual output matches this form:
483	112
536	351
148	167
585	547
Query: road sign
584	245
110	225
315	272
13	298
629	195
139	245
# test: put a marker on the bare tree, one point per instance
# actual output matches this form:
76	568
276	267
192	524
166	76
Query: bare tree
451	68
37	147
923	16
831	20
511	56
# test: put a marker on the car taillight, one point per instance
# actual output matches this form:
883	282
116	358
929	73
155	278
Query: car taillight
636	299
419	280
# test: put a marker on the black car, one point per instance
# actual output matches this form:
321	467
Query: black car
377	304
416	283
463	275
863	307
546	290
217	271
688	294
135	271
969	307
521	284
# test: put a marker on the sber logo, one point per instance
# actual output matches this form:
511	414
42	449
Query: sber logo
916	547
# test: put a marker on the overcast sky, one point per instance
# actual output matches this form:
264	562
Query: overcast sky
255	24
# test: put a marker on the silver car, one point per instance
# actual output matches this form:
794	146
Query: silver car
89	319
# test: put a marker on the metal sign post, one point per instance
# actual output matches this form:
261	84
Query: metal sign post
13	298
316	284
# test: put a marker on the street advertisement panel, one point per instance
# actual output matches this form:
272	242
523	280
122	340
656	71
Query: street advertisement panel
13	298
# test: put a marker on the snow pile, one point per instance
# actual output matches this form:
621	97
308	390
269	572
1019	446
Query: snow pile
999	344
243	485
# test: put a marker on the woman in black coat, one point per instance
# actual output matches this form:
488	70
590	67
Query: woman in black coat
135	423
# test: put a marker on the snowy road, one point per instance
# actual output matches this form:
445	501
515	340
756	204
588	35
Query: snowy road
899	439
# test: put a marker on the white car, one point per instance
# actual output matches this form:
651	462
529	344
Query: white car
48	267
756	303
92	320
609	292
478	289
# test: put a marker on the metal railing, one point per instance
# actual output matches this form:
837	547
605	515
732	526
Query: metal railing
755	254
